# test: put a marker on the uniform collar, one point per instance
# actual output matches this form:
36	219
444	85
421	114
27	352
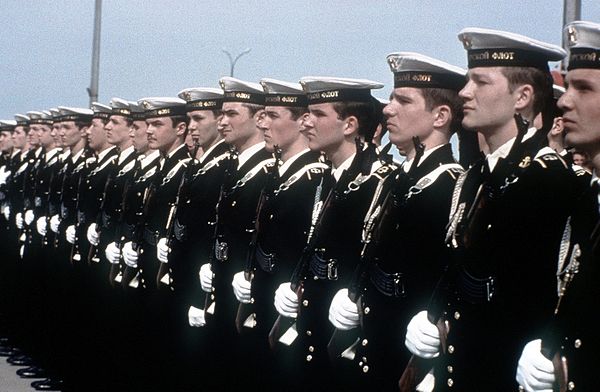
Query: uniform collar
124	154
210	149
286	165
504	150
408	163
150	158
104	153
75	158
337	172
247	154
50	154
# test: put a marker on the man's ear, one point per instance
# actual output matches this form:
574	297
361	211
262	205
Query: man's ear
442	116
525	95
181	128
351	126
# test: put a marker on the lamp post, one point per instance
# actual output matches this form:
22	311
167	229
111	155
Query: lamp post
233	60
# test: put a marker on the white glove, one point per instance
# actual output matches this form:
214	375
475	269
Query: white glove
29	217
535	372
4	175
19	220
196	317
241	288
130	256
113	253
422	337
42	226
70	234
286	301
343	313
92	234
6	212
54	223
206	277
162	250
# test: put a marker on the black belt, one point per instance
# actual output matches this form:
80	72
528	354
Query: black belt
266	261
150	237
475	290
390	285
323	268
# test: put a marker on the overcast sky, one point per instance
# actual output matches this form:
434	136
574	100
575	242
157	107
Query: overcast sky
154	47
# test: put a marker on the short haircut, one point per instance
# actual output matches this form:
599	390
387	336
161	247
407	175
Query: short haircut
539	79
367	114
83	123
181	118
435	97
253	108
297	112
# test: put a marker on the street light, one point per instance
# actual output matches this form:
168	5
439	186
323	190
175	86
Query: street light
232	60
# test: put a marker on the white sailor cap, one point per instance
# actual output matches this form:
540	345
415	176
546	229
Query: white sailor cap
39	117
7	125
137	111
120	107
55	113
22	119
321	89
236	90
68	113
583	41
280	93
100	110
416	70
494	48
202	98
162	106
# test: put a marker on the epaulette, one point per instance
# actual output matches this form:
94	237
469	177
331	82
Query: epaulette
546	160
384	170
579	171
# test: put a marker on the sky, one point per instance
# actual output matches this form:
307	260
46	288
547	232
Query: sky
159	47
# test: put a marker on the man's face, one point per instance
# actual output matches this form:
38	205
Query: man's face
279	128
581	110
96	135
324	128
117	130
162	133
138	136
33	136
237	125
407	116
55	133
70	134
487	102
46	137
203	126
5	141
19	137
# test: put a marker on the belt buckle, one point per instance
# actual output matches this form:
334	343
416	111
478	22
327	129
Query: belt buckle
399	290
332	272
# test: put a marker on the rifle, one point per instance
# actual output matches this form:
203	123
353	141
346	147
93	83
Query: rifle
163	269
230	169
375	222
48	201
286	326
245	312
92	256
75	255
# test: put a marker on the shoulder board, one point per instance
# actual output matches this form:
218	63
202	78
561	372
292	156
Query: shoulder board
547	156
383	171
579	171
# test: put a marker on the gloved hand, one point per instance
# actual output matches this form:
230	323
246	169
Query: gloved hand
343	313
29	217
6	212
535	372
70	234
54	223
196	317
113	253
286	301
130	256
242	288
206	277
422	337
92	234
19	220
42	226
162	250
4	175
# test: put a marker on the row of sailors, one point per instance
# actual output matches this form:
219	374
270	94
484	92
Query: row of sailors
366	241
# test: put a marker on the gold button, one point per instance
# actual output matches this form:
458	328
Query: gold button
311	349
451	349
365	342
360	363
450	382
305	303
365	368
251	300
571	385
456	315
450	369
233	203
139	194
308	358
367	310
309	333
577	343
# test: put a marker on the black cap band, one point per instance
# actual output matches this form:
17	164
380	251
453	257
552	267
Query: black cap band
75	117
244	96
422	79
340	95
204	104
41	121
290	100
102	115
165	112
584	58
505	57
125	112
